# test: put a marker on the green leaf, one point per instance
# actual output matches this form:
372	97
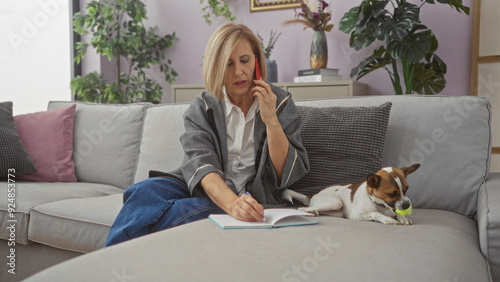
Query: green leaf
457	4
434	43
414	47
349	20
371	11
217	8
88	88
379	59
361	40
399	26
429	77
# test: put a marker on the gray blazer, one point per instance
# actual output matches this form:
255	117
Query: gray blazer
205	148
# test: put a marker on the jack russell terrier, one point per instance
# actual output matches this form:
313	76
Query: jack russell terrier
382	197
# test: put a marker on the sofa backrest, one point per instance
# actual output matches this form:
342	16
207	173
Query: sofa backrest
160	147
106	141
449	137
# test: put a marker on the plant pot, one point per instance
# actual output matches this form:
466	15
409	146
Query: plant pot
319	50
272	70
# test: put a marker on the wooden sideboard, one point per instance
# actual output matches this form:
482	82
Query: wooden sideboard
300	91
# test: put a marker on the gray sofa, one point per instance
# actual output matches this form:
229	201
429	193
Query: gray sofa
455	236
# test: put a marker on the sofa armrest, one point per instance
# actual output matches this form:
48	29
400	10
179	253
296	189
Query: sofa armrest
488	218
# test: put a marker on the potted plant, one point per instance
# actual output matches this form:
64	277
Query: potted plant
315	16
272	67
118	31
407	44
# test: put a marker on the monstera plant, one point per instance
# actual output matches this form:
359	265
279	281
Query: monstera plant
118	32
406	43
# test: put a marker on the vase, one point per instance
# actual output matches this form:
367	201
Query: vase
319	50
272	70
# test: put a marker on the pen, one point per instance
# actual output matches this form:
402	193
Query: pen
263	219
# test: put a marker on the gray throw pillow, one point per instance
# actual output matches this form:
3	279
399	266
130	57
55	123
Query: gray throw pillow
344	144
13	157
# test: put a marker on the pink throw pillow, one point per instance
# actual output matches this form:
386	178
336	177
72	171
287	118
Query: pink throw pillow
48	139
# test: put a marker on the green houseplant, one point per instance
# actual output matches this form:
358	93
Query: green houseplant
118	32
272	67
216	8
273	37
407	44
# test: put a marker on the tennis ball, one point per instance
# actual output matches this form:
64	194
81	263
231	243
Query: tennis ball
404	212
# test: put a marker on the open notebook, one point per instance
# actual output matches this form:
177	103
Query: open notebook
274	217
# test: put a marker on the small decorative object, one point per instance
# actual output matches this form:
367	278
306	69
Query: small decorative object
407	44
314	16
319	50
272	67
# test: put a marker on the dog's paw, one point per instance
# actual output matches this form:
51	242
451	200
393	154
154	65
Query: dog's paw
404	221
389	221
310	210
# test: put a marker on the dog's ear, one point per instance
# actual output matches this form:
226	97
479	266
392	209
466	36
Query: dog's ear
373	180
410	169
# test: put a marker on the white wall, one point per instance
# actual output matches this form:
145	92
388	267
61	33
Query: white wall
35	53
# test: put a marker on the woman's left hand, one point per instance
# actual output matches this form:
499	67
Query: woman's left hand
276	138
267	101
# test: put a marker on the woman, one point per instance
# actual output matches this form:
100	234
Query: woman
242	146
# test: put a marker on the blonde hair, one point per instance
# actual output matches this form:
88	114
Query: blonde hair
219	48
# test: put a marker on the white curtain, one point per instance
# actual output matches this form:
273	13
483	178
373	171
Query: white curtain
35	53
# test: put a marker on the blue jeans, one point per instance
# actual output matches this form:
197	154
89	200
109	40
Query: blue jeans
156	204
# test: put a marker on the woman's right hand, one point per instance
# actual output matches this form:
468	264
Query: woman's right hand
243	208
246	208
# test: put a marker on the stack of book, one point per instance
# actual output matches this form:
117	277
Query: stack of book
317	75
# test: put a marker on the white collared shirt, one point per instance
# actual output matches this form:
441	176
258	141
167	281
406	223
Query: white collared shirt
240	145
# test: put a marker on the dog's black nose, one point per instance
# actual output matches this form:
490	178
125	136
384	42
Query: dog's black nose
406	205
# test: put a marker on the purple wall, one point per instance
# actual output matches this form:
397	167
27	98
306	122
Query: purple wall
291	52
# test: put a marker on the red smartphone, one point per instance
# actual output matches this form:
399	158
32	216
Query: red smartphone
257	69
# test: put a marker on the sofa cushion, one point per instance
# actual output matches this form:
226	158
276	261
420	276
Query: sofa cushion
79	225
448	135
48	139
160	147
106	141
440	246
13	155
488	221
344	144
31	194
